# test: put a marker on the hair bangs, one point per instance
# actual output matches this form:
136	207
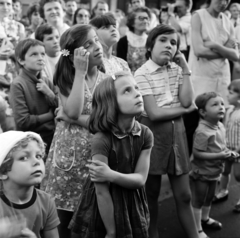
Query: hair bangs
105	20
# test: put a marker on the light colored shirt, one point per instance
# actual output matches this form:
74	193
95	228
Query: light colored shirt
232	123
162	82
185	24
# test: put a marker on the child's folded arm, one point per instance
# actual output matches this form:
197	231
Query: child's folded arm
211	156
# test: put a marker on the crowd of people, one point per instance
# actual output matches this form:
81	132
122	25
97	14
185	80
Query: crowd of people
95	106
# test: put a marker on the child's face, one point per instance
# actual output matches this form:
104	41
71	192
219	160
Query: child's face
164	49
34	59
5	7
28	167
94	47
109	36
214	110
36	19
51	43
233	97
53	12
129	99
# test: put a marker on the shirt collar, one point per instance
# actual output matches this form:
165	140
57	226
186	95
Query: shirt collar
136	131
30	75
152	66
210	125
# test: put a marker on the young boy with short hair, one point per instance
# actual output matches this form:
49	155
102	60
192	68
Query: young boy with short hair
32	97
32	211
50	38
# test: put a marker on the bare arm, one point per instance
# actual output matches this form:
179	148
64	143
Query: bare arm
211	156
105	203
197	42
51	234
73	104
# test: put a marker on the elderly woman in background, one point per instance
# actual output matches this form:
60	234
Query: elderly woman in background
81	16
131	47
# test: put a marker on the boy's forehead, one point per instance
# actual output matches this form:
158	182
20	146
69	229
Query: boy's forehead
36	48
54	33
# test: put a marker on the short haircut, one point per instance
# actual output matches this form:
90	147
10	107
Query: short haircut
42	30
99	2
43	2
188	4
132	16
23	46
32	9
202	99
105	110
155	32
105	20
235	86
237	5
8	161
14	1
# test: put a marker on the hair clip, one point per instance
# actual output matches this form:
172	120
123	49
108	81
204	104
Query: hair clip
113	77
65	52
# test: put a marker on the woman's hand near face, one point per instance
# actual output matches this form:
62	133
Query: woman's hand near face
81	58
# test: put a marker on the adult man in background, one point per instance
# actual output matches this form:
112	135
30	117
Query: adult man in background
181	21
100	9
70	7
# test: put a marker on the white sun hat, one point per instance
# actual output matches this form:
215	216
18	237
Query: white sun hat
10	138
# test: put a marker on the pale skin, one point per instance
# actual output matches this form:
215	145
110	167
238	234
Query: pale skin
211	50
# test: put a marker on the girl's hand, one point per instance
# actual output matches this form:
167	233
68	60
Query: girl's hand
231	43
225	154
61	115
26	233
99	171
80	60
180	60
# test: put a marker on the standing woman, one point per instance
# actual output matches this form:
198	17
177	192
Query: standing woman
76	76
213	45
81	16
131	47
106	28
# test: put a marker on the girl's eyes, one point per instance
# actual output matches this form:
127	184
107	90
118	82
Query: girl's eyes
24	158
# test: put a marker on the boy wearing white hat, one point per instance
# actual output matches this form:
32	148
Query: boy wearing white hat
21	168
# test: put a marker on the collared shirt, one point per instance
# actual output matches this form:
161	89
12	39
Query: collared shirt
235	22
233	128
162	82
209	138
185	24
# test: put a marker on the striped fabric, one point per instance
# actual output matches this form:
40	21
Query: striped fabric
233	128
161	82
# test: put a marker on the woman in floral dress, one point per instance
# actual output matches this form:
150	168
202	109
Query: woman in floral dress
76	76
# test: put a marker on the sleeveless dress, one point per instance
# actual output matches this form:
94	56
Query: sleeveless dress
68	155
211	75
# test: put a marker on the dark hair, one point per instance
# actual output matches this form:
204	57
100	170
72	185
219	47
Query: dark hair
23	46
104	116
155	32
189	4
202	99
132	16
70	40
105	20
14	1
96	7
76	13
42	30
43	2
235	86
32	9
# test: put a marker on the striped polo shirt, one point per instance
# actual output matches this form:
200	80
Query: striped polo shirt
162	82
232	123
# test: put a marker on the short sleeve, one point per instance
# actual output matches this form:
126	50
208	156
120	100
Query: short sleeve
52	217
101	144
144	85
148	139
200	141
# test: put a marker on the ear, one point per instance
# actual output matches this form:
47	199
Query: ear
21	62
202	112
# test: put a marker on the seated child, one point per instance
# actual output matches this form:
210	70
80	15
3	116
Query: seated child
32	97
21	168
209	153
50	38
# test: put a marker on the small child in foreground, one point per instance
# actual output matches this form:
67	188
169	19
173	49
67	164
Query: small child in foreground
27	211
